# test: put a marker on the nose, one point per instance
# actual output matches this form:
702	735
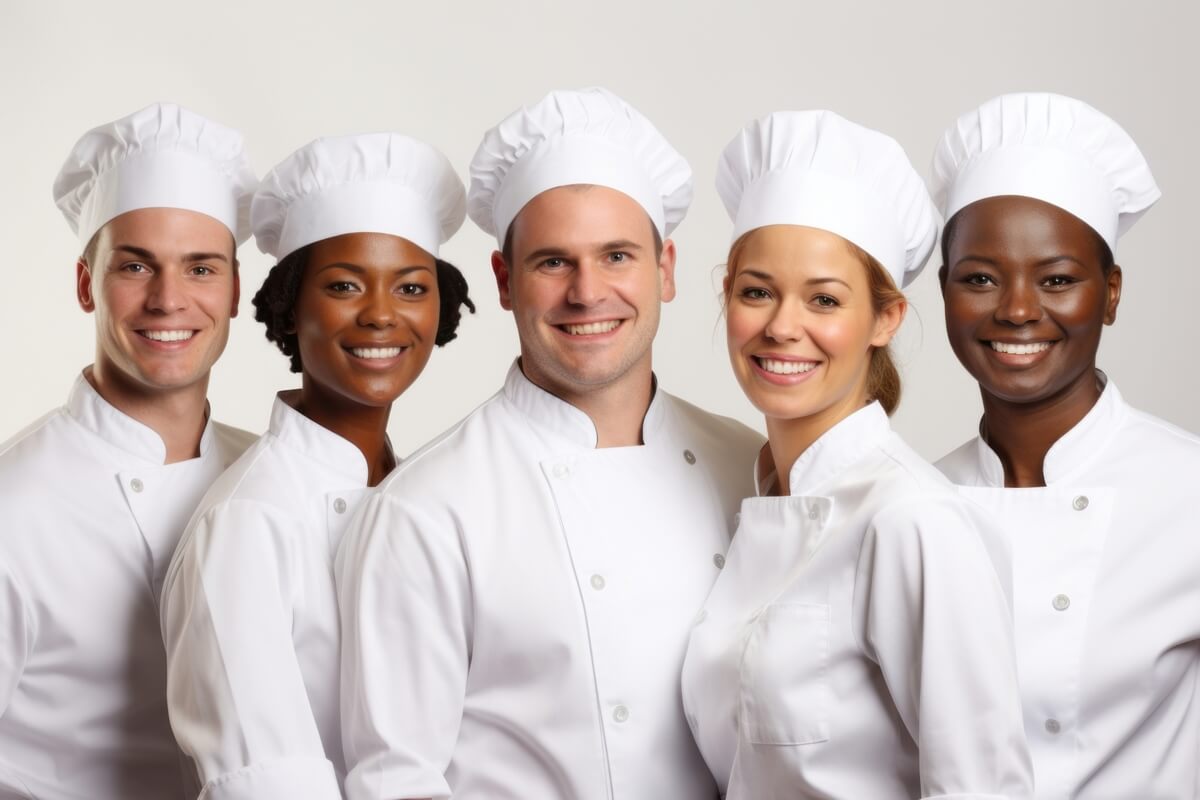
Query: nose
1019	303
786	324
587	286
378	308
167	292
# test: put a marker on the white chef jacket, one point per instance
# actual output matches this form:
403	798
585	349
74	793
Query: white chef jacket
858	644
516	602
250	619
90	516
1106	580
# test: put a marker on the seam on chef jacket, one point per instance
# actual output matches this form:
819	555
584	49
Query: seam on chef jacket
478	570
249	622
1105	563
88	717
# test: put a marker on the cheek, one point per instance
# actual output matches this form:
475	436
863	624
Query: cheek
840	334
743	324
423	316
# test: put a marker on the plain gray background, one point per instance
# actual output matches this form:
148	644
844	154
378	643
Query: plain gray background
286	73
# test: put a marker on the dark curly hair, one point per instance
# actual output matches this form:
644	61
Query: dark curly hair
274	301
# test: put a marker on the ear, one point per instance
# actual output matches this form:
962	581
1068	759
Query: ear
666	271
1114	295
237	289
83	286
500	270
888	322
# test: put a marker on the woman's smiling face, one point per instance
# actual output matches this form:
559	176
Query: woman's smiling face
1027	294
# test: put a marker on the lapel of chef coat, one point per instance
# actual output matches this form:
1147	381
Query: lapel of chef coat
344	468
159	497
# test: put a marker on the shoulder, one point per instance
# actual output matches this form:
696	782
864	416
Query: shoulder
960	463
35	436
1154	432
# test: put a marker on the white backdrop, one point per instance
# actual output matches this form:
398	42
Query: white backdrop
284	73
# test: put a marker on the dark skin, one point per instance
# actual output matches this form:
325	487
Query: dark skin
1027	277
375	294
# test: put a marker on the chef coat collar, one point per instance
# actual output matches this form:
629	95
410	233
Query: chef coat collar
120	430
831	454
296	430
565	420
1074	450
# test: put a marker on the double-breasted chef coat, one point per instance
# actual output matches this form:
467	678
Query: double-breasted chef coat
516	603
89	518
1106	582
858	644
250	617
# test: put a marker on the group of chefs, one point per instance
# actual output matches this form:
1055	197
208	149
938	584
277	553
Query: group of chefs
589	589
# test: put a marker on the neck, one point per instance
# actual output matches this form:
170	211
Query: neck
1021	434
789	438
178	416
617	409
363	426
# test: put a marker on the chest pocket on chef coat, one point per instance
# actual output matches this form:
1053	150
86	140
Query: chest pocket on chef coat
785	693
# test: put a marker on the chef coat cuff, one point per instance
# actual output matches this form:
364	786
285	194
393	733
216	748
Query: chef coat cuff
299	778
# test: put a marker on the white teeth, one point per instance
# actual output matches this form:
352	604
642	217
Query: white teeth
1020	349
592	328
168	336
376	352
785	367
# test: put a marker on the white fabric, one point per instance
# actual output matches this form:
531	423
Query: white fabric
250	619
817	169
858	643
1051	148
515	605
588	136
163	156
370	183
90	517
1106	581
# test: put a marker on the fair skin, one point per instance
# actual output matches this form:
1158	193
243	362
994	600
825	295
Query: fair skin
801	329
163	285
585	287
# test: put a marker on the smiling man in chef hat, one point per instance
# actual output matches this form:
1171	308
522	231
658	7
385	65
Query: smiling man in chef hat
96	493
516	598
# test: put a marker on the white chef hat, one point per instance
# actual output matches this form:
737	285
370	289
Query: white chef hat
1051	148
369	183
817	169
163	156
589	136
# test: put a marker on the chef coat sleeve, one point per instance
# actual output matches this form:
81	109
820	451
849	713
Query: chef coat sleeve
932	613
235	694
405	599
16	634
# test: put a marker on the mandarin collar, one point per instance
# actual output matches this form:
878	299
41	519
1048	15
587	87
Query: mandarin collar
832	454
323	445
565	420
1074	450
95	414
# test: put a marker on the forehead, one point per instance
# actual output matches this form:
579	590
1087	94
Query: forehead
166	232
1017	228
581	215
797	251
381	250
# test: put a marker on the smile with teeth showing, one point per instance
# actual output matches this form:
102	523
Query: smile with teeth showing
376	352
1020	349
590	328
167	336
779	367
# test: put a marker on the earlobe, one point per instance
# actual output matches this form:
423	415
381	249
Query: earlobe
500	270
666	271
1114	295
83	287
888	323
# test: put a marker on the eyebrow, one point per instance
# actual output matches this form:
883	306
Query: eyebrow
1045	262
146	255
766	276
606	247
360	270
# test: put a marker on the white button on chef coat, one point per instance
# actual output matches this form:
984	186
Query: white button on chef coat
477	657
1114	663
83	710
250	618
864	650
